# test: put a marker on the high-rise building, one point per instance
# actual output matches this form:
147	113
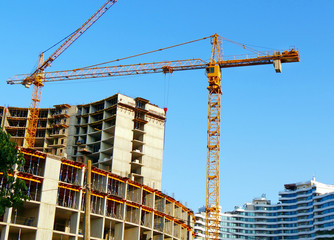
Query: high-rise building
199	227
121	135
305	211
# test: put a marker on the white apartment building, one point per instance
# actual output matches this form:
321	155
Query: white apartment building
305	211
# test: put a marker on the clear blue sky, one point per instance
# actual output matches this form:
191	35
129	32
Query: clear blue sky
276	128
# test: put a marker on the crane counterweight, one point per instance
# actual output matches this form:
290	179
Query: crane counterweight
277	65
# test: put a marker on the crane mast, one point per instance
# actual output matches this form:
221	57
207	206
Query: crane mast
34	105
213	142
36	78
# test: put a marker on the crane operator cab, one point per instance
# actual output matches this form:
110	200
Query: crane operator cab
214	75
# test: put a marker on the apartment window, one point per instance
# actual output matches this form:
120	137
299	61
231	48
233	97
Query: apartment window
140	104
139	115
112	101
139	126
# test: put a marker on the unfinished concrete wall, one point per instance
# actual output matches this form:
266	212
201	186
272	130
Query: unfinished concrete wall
153	149
123	137
48	198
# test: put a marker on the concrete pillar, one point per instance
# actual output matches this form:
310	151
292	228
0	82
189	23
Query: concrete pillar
6	218
48	199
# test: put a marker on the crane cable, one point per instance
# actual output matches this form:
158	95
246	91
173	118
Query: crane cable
166	91
246	46
59	41
140	54
166	95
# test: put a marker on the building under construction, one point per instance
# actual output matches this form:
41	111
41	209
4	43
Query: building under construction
120	207
121	135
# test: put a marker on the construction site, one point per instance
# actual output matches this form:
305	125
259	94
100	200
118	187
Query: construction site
120	207
94	170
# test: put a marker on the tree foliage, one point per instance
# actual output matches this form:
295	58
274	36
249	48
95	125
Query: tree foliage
13	191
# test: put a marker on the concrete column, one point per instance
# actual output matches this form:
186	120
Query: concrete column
48	199
6	218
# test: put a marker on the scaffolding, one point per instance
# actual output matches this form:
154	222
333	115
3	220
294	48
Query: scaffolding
116	186
68	196
97	203
176	230
98	180
33	191
146	217
168	225
159	203
134	192
34	185
169	206
148	197
69	172
33	165
115	208
158	222
132	213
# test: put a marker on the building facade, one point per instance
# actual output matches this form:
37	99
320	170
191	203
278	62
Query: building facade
120	208
52	130
305	211
121	135
199	226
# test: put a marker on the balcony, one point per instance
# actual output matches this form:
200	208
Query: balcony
136	153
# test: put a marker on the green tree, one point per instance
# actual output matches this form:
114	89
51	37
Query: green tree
13	191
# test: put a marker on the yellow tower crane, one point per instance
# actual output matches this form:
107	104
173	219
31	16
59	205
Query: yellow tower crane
36	78
213	71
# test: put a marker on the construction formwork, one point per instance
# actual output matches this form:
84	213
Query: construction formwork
120	208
